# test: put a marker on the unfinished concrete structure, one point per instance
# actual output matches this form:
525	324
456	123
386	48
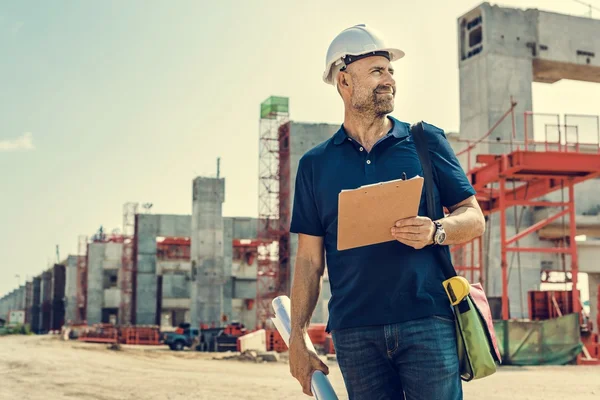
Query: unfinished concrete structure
303	137
164	241
502	51
162	244
172	289
103	294
36	308
243	267
11	302
45	301
210	300
28	302
71	289
42	299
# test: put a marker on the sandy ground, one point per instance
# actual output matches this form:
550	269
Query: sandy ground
50	369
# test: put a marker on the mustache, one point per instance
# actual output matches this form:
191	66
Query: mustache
385	89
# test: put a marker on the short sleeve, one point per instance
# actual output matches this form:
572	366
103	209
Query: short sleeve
453	184
305	216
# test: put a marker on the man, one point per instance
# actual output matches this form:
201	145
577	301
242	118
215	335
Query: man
390	319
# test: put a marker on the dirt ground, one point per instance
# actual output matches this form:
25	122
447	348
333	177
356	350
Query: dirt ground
47	368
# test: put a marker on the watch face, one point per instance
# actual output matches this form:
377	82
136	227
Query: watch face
441	237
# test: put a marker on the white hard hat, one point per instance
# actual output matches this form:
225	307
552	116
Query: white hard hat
358	41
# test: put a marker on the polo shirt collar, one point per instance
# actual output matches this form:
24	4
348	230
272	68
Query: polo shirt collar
399	130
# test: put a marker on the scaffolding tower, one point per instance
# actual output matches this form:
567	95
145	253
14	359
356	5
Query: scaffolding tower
273	206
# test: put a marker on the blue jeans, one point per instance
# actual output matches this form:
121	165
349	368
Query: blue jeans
416	359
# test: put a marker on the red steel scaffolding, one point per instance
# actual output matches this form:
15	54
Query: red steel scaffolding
559	158
274	207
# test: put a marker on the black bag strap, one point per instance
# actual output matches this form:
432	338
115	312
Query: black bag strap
419	137
420	140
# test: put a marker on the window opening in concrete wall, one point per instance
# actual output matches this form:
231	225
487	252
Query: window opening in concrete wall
475	36
110	279
463	34
471	37
109	315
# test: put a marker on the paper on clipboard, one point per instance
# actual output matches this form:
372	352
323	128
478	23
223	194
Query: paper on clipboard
366	214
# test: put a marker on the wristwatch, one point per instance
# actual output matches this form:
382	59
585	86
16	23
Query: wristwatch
439	236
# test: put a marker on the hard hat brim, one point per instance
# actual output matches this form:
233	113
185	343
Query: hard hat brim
395	55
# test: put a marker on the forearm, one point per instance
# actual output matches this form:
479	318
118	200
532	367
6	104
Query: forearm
305	292
463	225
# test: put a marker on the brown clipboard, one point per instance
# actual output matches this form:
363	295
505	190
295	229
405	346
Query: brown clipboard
367	214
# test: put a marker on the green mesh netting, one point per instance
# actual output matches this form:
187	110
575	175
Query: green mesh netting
550	342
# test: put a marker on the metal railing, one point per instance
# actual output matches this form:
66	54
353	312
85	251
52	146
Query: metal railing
577	133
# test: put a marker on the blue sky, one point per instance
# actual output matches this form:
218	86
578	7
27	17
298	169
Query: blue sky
110	101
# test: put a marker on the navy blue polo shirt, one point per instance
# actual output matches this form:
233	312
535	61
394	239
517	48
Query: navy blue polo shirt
387	282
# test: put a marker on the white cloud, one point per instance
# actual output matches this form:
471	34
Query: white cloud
25	142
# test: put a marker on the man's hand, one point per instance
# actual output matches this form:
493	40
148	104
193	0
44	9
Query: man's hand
304	362
415	232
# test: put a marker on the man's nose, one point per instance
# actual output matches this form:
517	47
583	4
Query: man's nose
388	80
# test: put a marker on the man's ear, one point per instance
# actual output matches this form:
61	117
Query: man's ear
343	82
343	79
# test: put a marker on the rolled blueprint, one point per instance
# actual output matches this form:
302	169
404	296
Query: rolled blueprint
320	385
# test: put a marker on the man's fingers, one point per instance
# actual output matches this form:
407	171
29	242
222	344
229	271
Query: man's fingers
410	236
413	221
306	385
409	229
322	367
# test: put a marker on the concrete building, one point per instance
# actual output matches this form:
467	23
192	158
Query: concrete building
209	297
164	281
36	308
161	285
502	51
243	268
103	294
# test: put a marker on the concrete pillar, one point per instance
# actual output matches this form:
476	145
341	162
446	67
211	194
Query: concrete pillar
494	64
209	300
146	282
58	297
36	307
21	298
46	301
28	302
95	275
71	289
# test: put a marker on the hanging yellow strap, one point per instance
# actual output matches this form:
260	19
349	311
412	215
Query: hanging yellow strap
457	288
